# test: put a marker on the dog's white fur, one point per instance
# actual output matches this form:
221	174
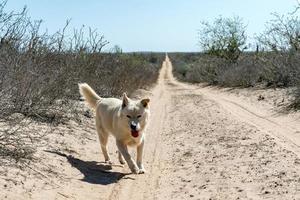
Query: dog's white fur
115	116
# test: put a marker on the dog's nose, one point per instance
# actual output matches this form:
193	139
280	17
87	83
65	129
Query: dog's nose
133	126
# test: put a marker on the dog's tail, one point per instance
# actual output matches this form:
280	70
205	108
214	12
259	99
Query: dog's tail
89	95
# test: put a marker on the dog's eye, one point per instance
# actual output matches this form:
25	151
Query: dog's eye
128	116
139	116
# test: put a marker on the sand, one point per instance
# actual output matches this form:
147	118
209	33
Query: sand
202	143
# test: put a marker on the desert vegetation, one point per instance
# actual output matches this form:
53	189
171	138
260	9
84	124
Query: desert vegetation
226	60
39	73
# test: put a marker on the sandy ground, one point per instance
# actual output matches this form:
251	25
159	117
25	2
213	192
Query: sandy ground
202	143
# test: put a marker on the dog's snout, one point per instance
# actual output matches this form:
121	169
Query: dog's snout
133	126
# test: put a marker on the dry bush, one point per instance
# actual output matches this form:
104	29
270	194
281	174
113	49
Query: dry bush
272	70
15	143
223	62
224	38
245	72
281	39
295	105
276	62
281	45
181	63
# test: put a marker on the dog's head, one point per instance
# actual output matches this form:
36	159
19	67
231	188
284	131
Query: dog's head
135	113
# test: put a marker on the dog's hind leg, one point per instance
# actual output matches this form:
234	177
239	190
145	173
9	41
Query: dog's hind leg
139	157
103	138
131	163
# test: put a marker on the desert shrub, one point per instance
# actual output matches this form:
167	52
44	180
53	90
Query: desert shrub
223	61
41	71
208	70
281	39
275	63
279	69
295	104
245	72
181	63
182	69
128	73
15	143
225	38
281	34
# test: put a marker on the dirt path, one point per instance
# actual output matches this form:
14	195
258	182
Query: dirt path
224	147
201	144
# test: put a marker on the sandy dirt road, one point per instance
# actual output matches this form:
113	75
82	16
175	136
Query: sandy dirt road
201	144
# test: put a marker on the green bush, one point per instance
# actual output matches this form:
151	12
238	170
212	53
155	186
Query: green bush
224	38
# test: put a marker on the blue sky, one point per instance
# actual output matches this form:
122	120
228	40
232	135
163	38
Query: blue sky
145	25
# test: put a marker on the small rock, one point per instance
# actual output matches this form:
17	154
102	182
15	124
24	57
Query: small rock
87	114
260	97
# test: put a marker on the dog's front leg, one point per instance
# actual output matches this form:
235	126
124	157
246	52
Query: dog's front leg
124	151
139	157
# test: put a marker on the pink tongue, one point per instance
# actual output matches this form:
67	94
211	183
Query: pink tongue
134	133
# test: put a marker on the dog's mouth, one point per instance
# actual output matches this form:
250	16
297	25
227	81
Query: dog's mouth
135	133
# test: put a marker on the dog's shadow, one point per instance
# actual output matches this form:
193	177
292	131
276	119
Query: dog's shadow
94	172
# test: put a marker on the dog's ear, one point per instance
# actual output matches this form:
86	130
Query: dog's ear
145	102
125	100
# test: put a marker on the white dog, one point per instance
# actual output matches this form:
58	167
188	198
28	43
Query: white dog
125	119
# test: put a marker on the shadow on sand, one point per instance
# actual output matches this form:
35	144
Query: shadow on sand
94	172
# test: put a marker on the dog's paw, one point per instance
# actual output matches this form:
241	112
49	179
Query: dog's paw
122	161
138	170
142	171
135	170
141	168
109	162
